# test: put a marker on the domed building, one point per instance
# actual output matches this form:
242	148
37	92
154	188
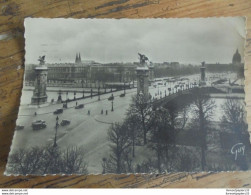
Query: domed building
236	58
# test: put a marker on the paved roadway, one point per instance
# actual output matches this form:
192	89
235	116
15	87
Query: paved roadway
86	130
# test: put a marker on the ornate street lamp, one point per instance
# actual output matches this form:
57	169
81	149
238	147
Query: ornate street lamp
112	106
74	95
98	93
55	138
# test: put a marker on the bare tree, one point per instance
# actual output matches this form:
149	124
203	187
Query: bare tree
203	108
234	116
141	108
120	142
134	130
51	160
23	162
72	160
233	120
47	160
165	125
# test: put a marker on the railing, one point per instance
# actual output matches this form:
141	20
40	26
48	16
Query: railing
172	96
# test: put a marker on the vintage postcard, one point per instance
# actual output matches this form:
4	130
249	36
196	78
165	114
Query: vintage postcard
132	96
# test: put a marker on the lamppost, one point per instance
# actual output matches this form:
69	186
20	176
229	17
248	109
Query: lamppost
98	94
112	106
59	96
55	138
74	95
66	101
124	88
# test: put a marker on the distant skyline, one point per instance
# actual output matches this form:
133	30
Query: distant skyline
188	41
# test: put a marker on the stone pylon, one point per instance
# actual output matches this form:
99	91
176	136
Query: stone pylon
39	94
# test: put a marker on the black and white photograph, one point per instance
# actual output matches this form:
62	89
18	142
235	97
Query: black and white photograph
152	96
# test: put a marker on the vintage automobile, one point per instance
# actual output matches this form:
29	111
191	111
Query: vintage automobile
19	127
65	105
58	111
122	95
65	122
79	106
111	98
38	124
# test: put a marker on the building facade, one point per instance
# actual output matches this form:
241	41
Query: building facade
84	72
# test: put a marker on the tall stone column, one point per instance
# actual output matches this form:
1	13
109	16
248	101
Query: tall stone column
143	81
151	73
143	76
203	74
39	94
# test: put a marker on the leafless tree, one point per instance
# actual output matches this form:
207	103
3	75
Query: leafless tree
203	107
73	160
119	137
23	162
234	116
165	125
134	129
47	160
141	109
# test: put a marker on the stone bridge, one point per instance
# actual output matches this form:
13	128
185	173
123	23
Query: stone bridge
212	91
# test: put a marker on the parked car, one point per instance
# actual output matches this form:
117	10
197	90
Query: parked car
58	111
38	124
111	98
122	95
79	106
19	127
65	122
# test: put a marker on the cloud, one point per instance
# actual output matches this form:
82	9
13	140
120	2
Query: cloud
110	40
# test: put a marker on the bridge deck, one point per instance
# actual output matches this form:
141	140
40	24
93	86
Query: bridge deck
212	91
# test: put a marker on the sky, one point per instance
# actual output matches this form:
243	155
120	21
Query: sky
188	41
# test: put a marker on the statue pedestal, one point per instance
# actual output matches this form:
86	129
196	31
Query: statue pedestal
203	75
143	81
39	94
151	74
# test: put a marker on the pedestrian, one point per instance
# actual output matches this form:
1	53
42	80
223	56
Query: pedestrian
106	112
76	103
89	112
35	113
102	111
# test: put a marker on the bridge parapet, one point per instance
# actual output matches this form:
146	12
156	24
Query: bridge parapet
211	91
171	97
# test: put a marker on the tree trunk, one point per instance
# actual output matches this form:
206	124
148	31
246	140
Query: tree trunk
144	129
203	158
133	144
204	134
118	164
158	153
